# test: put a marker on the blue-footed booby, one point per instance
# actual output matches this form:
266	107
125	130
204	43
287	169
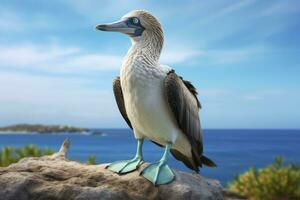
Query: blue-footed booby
155	102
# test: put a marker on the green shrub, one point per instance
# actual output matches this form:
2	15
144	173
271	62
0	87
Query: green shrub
9	155
6	156
91	160
274	182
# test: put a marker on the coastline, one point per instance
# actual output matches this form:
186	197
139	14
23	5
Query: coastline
42	129
44	133
17	133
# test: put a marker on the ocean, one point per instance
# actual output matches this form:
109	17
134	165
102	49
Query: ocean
234	151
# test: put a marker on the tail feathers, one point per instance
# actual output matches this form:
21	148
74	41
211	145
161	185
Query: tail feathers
189	162
208	162
193	162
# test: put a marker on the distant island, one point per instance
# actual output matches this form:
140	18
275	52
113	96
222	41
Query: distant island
38	128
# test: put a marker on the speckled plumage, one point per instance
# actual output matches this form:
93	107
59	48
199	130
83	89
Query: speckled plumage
156	103
142	81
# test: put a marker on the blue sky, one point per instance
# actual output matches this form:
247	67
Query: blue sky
243	56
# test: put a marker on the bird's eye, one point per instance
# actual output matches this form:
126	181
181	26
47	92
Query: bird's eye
135	20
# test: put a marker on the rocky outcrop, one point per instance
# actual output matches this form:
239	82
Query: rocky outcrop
55	177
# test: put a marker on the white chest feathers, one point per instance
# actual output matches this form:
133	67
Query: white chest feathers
140	85
145	104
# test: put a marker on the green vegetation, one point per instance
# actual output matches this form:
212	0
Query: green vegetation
9	155
91	160
38	128
277	181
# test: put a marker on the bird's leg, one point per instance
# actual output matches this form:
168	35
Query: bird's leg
125	166
160	173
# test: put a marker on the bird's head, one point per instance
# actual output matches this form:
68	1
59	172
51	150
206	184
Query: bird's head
140	25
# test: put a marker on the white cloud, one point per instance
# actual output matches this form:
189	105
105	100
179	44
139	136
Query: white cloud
252	97
234	7
264	94
37	99
223	95
14	21
257	108
280	8
69	59
29	54
225	11
172	56
94	62
215	93
215	56
56	58
96	10
233	55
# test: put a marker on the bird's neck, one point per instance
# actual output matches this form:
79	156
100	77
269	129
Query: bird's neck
146	49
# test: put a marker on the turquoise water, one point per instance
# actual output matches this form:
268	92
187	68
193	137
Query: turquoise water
234	151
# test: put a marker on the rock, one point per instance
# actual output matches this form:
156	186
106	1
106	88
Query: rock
55	177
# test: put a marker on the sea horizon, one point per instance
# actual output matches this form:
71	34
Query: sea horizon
91	130
95	128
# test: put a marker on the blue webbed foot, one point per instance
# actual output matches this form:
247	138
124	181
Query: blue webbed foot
125	166
158	173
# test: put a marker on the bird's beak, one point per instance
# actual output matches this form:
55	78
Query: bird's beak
119	26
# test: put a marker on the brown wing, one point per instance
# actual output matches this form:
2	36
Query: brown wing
120	100
182	98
